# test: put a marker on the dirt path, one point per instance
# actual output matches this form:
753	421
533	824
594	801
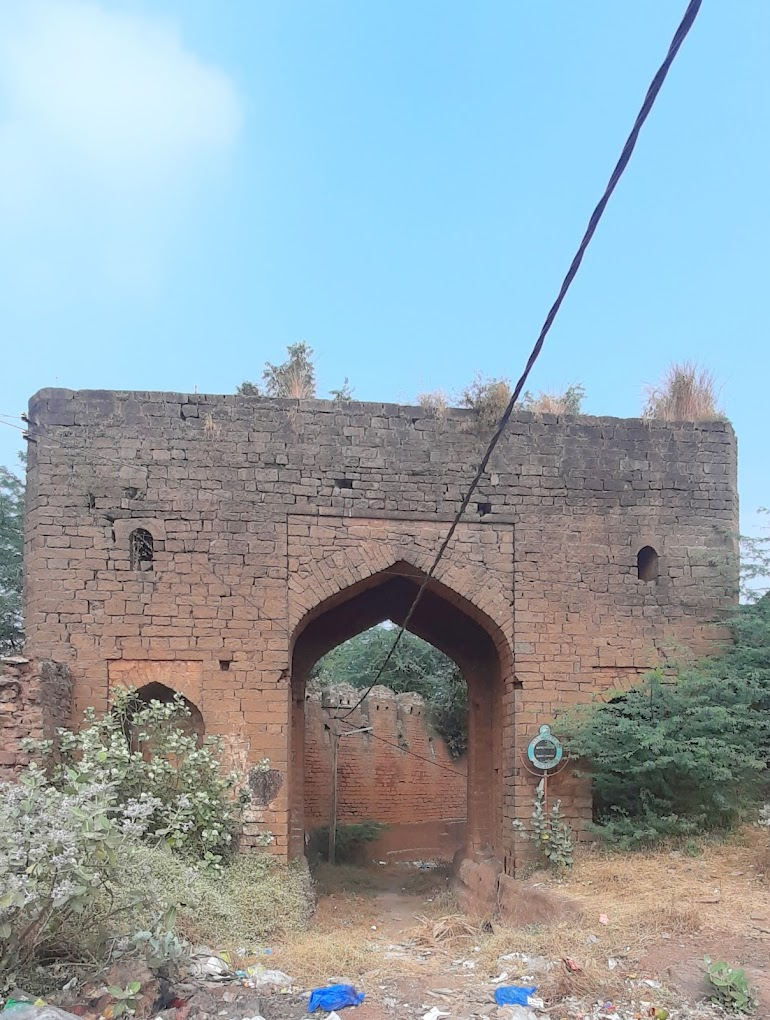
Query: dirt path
388	941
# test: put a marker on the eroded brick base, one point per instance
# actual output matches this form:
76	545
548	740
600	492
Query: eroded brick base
35	698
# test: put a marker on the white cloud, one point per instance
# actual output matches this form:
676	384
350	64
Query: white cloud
105	110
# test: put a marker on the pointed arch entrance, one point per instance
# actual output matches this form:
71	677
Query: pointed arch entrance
456	627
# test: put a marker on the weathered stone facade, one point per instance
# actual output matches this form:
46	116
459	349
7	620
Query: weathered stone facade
277	529
35	698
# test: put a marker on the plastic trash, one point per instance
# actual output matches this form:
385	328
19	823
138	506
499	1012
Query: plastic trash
256	977
521	1013
209	968
334	997
16	1009
434	1013
514	995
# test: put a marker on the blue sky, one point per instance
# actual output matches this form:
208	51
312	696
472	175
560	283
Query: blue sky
188	186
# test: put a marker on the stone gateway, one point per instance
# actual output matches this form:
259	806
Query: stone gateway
217	546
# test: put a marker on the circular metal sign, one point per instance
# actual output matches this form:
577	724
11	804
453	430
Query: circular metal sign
545	750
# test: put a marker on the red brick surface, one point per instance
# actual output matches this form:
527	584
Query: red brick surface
262	557
398	772
35	698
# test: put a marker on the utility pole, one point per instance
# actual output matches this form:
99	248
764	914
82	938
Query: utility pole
335	733
335	739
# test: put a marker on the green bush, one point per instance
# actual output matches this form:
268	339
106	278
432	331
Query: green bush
489	399
252	899
351	838
730	987
11	547
78	887
415	666
144	753
685	753
60	854
551	835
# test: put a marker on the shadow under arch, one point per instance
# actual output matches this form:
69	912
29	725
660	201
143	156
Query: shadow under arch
456	627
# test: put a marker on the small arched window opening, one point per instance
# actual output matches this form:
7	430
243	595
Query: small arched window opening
647	564
189	719
141	550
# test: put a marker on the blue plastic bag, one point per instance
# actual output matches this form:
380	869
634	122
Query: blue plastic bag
514	995
334	997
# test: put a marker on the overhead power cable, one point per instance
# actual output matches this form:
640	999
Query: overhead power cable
649	101
398	747
11	425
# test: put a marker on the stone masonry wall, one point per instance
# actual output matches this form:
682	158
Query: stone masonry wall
35	698
400	773
265	512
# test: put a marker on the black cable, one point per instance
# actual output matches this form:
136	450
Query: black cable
11	425
649	100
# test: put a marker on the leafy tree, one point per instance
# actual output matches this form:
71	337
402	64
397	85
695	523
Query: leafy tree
294	377
343	393
687	752
415	666
755	564
11	547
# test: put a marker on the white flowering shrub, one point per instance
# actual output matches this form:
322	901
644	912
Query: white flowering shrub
171	786
58	852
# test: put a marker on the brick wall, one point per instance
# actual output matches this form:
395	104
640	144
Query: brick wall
399	773
35	698
278	525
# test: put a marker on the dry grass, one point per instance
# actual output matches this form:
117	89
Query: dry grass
435	403
548	403
489	398
569	401
313	958
649	899
339	941
297	383
210	427
451	928
688	392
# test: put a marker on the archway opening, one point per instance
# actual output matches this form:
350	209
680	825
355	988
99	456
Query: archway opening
448	622
191	723
390	774
647	561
